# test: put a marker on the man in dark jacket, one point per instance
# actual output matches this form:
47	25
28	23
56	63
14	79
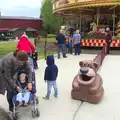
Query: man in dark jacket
61	41
51	73
9	65
108	38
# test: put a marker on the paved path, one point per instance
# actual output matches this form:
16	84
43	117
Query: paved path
63	107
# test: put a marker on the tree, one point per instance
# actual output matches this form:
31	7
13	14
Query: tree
51	23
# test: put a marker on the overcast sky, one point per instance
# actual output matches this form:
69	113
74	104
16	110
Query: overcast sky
30	8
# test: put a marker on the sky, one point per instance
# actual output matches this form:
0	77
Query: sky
29	8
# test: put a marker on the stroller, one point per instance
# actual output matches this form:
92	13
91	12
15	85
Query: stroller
33	99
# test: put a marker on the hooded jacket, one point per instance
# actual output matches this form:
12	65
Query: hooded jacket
51	71
25	44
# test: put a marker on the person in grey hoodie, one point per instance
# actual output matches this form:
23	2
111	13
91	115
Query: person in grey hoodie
9	65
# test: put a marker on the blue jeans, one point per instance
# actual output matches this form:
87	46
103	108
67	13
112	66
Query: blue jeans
70	49
77	49
63	47
23	97
51	84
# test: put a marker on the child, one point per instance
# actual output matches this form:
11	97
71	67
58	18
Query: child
23	95
51	73
35	57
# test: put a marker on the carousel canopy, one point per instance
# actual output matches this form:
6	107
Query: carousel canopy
68	7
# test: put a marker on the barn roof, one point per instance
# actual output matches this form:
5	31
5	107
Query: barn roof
30	29
4	29
19	17
13	29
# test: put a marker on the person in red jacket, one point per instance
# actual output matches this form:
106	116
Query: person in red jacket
25	44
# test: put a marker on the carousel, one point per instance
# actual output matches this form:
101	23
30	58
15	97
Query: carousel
91	16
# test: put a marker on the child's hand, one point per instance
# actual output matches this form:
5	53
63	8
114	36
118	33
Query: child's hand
29	86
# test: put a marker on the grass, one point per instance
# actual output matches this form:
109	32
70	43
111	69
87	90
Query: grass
6	47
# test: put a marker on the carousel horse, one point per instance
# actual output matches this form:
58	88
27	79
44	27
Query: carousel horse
94	28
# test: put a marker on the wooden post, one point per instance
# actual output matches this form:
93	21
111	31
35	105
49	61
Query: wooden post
45	48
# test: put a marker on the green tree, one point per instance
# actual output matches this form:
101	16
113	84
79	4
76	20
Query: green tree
51	22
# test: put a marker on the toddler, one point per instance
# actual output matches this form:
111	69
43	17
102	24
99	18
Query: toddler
51	73
23	95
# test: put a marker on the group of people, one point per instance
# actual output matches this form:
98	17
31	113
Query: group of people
19	63
66	43
17	72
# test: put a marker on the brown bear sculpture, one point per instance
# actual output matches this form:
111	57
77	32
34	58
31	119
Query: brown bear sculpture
87	84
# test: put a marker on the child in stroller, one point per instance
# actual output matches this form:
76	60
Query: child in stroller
24	97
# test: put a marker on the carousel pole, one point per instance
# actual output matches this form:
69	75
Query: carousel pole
98	15
80	21
113	8
113	22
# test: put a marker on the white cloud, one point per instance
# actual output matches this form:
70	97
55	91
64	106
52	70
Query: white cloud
13	6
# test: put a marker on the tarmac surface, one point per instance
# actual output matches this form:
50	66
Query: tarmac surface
65	108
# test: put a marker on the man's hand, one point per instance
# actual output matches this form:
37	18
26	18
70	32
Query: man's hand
19	89
30	86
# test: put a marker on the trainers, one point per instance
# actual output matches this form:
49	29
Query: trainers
46	98
20	104
55	96
65	57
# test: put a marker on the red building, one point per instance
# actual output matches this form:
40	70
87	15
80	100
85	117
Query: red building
7	23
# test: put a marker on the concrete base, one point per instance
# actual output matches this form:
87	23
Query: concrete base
65	108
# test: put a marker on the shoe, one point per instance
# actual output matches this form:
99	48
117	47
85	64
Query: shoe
46	98
55	96
65	57
25	104
20	104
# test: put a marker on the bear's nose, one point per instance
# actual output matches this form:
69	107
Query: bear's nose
84	70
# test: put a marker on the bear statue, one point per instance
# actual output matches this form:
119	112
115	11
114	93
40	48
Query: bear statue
87	84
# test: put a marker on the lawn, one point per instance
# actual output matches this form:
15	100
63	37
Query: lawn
6	47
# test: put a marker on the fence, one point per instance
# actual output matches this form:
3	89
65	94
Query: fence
100	57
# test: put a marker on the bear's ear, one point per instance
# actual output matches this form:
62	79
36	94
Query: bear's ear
81	63
95	65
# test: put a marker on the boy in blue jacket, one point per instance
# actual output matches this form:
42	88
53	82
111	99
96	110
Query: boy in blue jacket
51	73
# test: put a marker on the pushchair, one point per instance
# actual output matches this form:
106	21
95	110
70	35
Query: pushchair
33	99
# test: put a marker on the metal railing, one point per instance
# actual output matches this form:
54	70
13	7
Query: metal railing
100	57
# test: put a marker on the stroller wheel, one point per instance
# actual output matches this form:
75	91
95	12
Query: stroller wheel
15	117
33	114
37	100
37	113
